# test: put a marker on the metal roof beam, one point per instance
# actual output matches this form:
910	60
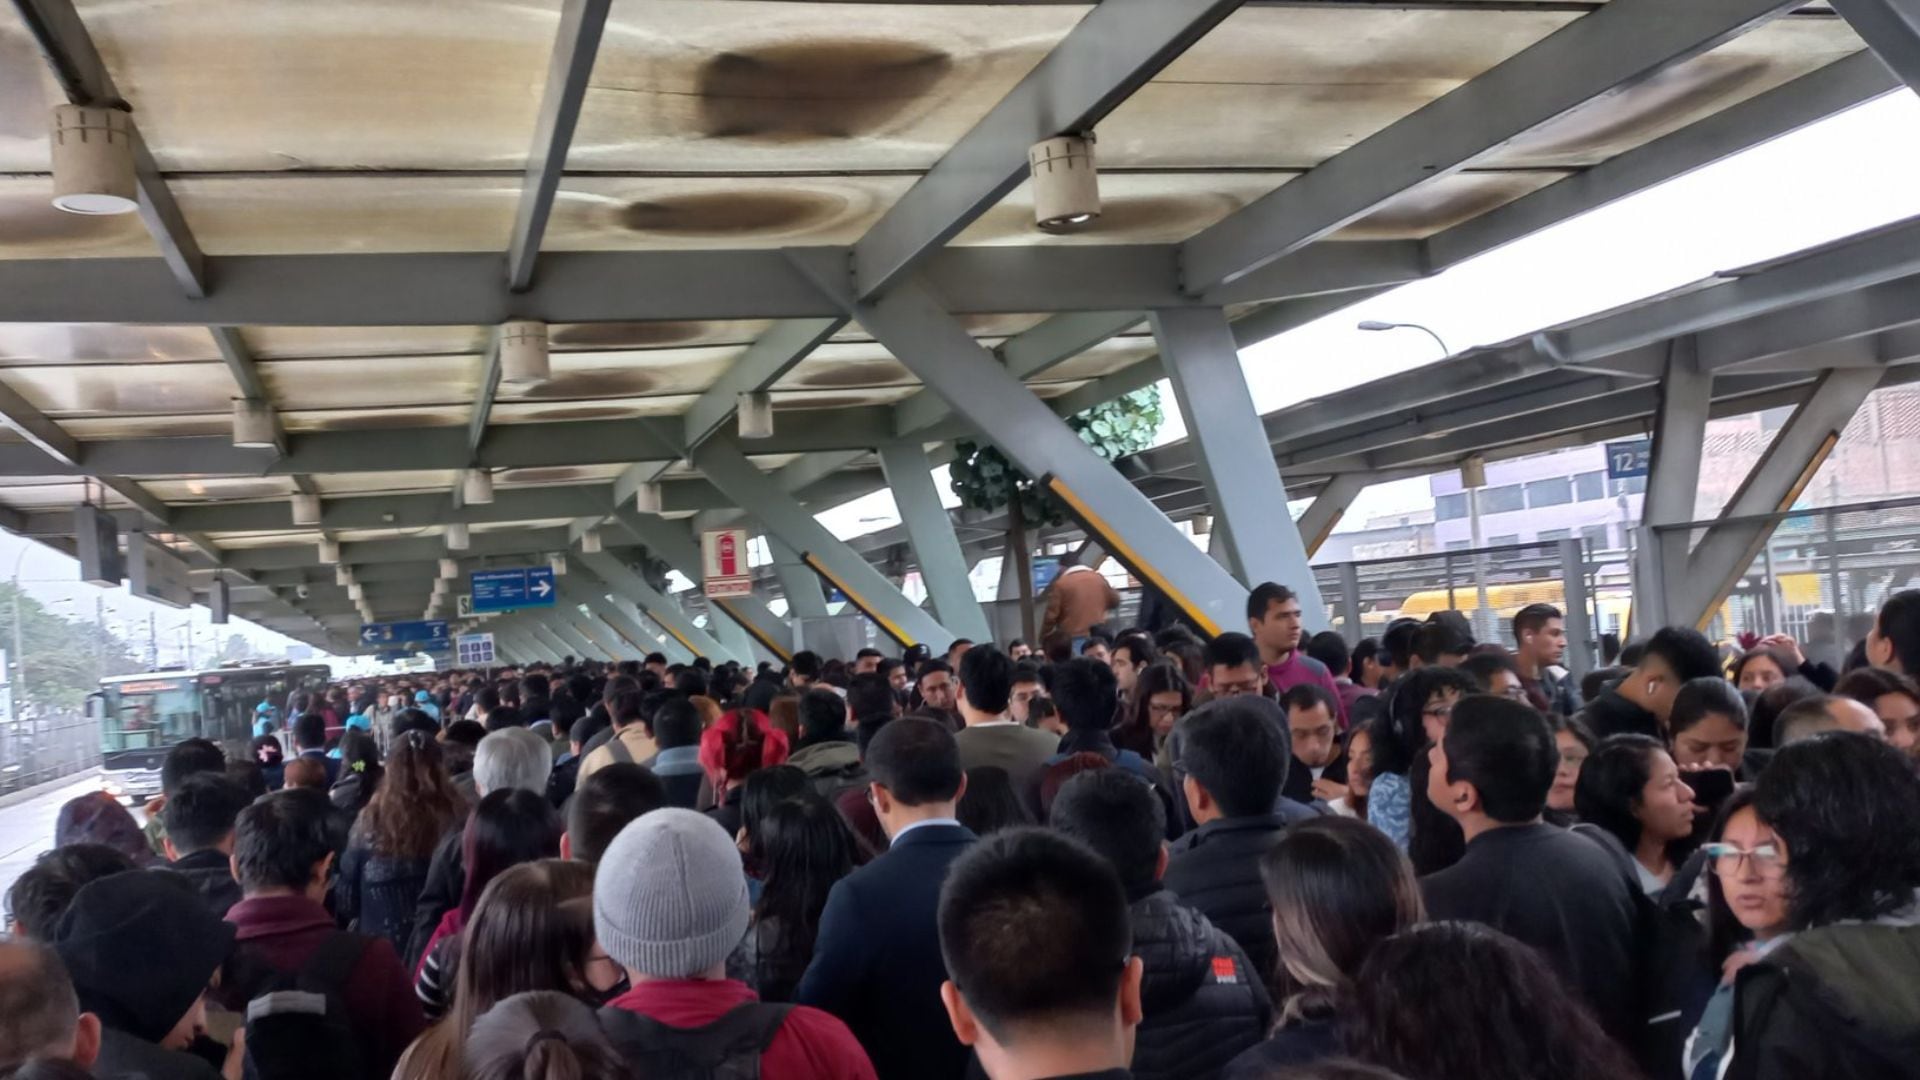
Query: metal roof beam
506	542
1113	51
1616	46
765	362
1891	28
575	44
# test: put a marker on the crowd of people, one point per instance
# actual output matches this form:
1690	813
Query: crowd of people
1265	855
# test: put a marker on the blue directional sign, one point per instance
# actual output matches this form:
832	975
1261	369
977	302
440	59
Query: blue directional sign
505	590
1626	460
426	634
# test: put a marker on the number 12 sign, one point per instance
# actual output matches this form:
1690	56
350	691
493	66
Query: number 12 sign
723	563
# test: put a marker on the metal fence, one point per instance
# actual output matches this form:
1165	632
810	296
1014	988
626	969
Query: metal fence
34	750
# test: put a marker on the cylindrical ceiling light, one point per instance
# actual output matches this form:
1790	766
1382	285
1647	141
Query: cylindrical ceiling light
93	160
590	541
559	565
523	353
253	425
356	591
1473	473
457	538
449	569
756	415
330	551
306	508
343	576
478	488
649	498
1066	187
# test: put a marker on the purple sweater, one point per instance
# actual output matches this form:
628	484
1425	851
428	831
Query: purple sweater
1300	668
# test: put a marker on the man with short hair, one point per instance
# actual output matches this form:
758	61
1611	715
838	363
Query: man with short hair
1441	644
867	661
310	740
992	737
1550	888
1274	622
669	906
1202	999
1825	712
804	669
609	801
656	662
282	854
1097	647
938	700
630	743
1642	700
40	1015
1234	667
1130	656
1331	650
957	650
1045	981
200	817
876	958
1026	687
675	729
1233	760
1540	644
1018	650
1318	770
188	757
1397	643
827	752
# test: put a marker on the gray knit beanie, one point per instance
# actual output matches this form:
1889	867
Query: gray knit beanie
670	896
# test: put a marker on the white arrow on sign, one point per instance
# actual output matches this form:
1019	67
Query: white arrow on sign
542	587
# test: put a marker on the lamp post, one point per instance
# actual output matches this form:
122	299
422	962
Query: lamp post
1375	326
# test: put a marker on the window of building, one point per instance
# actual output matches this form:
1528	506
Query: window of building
1450	507
1590	486
1597	537
1503	539
1546	536
1633	485
1458	545
1502	500
1556	491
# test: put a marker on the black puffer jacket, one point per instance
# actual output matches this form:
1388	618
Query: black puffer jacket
1216	870
1839	1003
1202	1002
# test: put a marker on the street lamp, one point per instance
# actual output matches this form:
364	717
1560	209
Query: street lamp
1375	326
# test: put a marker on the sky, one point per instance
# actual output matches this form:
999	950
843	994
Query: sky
1849	173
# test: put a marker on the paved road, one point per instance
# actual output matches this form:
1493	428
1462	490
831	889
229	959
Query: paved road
26	828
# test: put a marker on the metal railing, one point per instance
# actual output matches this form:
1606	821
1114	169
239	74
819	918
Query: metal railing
34	750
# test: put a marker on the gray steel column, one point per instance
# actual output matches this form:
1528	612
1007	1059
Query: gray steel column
1581	641
933	344
1773	485
660	608
805	599
732	636
722	462
1673	481
524	647
1891	28
1235	454
592	592
943	567
675	542
561	625
1350	603
550	639
1324	513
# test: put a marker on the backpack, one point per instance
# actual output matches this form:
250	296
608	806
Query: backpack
297	1025
729	1048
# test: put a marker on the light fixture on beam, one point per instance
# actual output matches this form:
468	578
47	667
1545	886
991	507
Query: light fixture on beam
1473	473
590	541
306	508
356	591
477	489
1066	187
93	169
343	576
457	538
330	551
253	424
649	498
523	353
756	415
449	569
558	563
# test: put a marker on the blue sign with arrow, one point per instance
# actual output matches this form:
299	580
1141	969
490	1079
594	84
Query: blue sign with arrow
428	634
506	590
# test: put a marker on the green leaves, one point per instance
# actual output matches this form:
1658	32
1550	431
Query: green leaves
983	479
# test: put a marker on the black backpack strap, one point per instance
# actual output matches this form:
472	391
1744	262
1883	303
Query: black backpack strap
331	966
747	1028
621	755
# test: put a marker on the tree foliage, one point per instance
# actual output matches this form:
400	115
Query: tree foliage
985	480
61	660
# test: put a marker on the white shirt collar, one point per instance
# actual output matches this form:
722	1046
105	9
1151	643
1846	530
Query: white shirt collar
923	823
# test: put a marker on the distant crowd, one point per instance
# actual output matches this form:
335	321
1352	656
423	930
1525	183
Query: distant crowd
1262	855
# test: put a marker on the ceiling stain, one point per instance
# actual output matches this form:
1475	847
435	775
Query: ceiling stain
585	413
600	383
560	475
824	89
856	373
732	214
375	421
1665	100
626	335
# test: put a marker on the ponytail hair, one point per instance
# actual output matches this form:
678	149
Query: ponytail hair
541	1035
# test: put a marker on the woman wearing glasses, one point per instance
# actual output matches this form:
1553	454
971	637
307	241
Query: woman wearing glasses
1746	918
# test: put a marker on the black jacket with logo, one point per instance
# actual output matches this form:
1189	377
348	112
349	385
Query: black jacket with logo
1201	999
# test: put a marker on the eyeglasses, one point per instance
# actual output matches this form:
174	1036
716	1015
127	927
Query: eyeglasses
1236	689
1163	710
1573	761
1438	712
1515	691
1767	859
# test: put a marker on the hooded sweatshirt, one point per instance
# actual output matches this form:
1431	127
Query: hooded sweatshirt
1201	1000
141	947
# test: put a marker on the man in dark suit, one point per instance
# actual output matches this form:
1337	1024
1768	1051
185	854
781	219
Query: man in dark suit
1319	767
876	961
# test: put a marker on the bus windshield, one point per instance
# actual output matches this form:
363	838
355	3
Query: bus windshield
150	715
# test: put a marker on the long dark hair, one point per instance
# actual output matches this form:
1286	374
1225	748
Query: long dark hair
1338	887
764	790
1434	840
1845	805
1449	999
415	803
1610	787
989	804
1724	932
508	828
805	847
542	1035
1135	732
360	756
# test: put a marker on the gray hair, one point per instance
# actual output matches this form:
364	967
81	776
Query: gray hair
512	758
38	1010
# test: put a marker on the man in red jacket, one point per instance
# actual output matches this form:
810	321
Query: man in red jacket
282	852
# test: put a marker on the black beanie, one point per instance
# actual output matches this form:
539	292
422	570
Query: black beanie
141	946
